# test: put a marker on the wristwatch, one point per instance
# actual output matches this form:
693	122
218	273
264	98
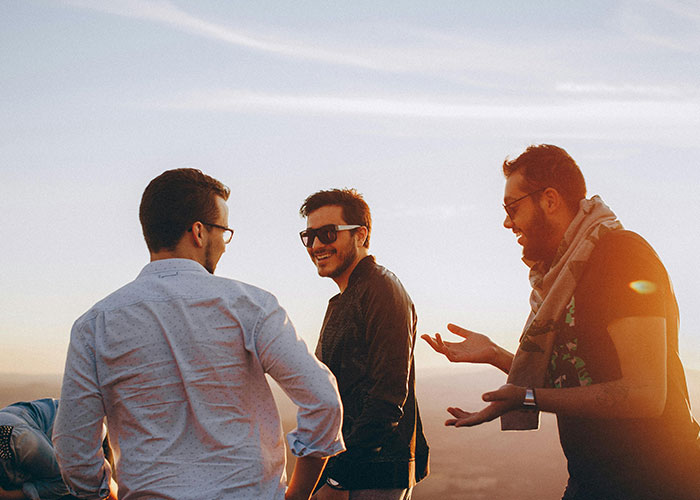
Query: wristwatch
530	401
332	483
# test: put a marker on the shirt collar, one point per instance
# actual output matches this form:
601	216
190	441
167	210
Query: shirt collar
361	270
172	265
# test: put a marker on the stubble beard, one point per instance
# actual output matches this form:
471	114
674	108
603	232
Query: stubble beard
540	233
348	258
209	263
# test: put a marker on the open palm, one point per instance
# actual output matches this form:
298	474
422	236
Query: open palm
475	348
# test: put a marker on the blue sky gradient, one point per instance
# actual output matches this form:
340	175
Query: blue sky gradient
415	104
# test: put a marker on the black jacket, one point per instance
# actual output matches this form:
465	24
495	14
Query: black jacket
367	341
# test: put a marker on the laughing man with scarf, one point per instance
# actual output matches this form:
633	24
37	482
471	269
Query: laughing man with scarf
600	347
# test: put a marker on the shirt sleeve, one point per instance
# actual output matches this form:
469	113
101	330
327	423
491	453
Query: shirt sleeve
307	382
634	280
77	434
390	331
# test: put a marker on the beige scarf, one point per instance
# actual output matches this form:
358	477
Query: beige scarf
552	290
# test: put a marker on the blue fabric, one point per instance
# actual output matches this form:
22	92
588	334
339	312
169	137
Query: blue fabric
32	465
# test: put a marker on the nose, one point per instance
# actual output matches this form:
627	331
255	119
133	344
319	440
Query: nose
507	223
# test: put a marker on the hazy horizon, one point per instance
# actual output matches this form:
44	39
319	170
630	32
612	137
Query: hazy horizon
482	463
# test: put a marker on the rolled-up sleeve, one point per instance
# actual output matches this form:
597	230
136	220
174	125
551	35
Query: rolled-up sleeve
77	434
307	382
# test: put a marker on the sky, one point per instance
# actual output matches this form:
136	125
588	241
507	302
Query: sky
414	104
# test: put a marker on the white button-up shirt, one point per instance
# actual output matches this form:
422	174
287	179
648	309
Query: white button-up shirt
176	361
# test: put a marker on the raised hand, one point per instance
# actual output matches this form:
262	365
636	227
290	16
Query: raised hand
475	348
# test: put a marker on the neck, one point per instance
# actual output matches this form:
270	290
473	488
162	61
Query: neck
178	252
343	279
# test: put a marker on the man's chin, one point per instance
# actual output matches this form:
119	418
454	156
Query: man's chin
322	271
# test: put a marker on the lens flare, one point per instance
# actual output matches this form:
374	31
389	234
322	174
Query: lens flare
643	287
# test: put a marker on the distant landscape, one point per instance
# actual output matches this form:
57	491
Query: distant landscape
480	463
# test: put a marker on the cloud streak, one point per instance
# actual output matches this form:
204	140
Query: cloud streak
165	12
443	55
620	90
660	111
640	21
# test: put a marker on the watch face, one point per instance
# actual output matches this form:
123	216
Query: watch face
529	398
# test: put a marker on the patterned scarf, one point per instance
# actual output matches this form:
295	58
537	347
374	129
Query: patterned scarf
552	290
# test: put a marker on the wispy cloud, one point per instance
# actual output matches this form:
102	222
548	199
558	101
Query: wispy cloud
164	12
567	110
443	55
628	90
668	24
689	9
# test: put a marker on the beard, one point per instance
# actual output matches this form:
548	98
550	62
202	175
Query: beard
539	236
209	263
347	257
348	260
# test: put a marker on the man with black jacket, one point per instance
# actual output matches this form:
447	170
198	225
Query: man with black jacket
367	341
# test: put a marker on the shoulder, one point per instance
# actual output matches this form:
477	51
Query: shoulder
625	277
624	243
382	286
245	292
625	253
194	287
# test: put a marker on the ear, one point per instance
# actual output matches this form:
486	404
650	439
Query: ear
361	236
551	201
197	231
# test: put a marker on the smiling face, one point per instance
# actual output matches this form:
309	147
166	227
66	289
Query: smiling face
336	260
536	232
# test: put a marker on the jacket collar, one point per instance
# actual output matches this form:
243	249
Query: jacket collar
361	270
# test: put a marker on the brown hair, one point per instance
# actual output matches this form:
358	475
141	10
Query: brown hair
355	208
175	200
546	166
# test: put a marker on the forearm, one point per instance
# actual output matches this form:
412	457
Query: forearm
502	359
640	342
307	471
11	494
617	399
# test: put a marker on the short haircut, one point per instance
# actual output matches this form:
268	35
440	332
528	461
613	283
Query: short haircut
355	208
544	166
175	200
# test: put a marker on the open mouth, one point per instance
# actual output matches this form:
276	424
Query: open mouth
323	255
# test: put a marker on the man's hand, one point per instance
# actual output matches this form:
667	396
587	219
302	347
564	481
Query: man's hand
12	494
328	493
475	348
508	397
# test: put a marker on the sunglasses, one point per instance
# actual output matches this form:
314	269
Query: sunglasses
326	234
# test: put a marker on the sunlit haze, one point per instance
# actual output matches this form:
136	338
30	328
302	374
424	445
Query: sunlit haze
415	104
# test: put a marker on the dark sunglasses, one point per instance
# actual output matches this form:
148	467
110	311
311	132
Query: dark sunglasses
326	234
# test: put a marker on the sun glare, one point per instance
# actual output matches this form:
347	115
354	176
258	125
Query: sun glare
643	287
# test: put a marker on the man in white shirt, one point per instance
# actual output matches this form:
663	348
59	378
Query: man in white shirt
176	362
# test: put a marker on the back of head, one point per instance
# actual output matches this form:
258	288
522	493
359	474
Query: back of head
355	208
544	166
175	200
